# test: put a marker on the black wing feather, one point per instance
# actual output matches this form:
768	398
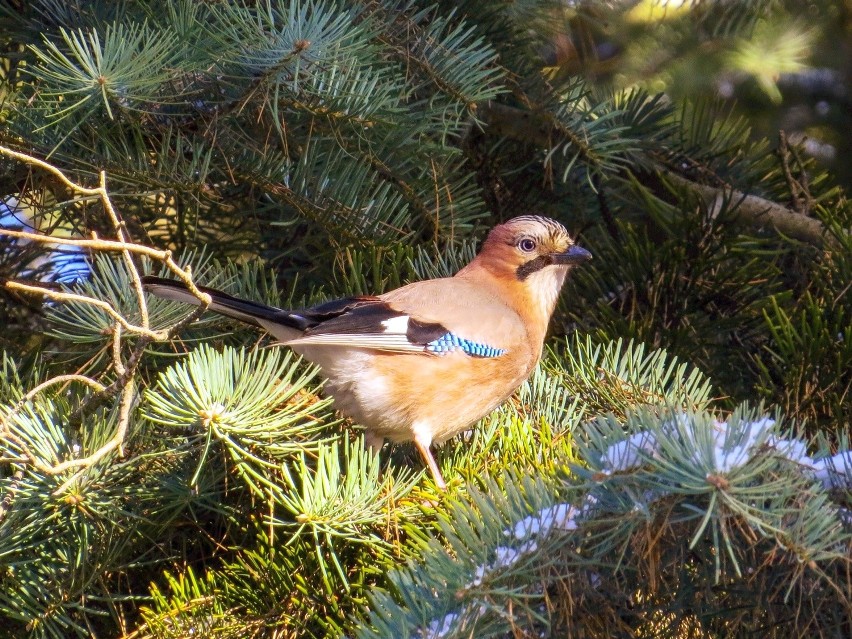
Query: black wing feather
243	310
366	316
348	316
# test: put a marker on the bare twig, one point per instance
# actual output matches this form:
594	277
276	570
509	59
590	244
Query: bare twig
125	372
111	246
799	188
63	379
803	180
61	296
11	489
792	184
124	368
115	443
28	159
121	234
116	350
101	192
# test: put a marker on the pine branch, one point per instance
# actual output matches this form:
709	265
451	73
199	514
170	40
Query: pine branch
738	504
538	128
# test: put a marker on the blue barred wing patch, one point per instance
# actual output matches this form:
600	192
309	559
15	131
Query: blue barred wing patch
450	342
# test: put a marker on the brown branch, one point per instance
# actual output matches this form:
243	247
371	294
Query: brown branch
760	212
121	234
538	129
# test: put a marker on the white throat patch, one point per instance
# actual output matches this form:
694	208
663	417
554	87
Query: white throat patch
545	285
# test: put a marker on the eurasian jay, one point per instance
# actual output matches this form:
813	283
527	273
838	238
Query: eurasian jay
425	361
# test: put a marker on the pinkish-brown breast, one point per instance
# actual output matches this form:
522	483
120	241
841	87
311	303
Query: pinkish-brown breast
448	392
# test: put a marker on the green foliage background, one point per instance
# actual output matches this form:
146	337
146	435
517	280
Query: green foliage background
294	150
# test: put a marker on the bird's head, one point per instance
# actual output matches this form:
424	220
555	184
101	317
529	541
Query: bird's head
526	245
530	256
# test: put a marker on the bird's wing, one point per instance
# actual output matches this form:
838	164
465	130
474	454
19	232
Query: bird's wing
371	323
434	316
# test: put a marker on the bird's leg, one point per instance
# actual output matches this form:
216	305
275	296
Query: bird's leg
423	447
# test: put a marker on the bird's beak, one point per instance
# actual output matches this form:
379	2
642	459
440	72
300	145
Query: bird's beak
574	255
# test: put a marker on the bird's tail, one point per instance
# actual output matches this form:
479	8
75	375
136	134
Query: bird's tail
281	323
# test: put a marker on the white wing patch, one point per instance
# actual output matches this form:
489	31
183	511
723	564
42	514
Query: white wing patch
393	338
396	325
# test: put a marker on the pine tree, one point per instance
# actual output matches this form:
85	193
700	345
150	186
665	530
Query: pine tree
679	463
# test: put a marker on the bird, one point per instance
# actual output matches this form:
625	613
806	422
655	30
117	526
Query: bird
425	361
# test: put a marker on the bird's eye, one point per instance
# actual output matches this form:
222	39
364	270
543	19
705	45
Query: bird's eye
527	245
